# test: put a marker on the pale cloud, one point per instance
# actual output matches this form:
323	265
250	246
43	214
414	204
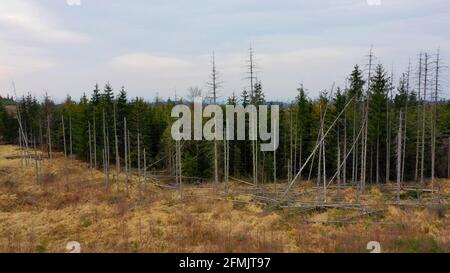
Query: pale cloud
22	61
148	62
35	23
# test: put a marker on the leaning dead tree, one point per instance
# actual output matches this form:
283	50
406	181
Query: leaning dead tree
315	149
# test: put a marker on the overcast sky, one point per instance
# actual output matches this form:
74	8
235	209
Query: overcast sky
160	46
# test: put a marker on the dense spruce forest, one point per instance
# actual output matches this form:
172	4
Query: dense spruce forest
369	117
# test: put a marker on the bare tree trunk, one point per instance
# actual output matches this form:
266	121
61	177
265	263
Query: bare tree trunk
225	160
49	138
105	147
41	137
345	145
388	143
129	152
116	144
399	156
422	168
355	151
90	149
105	166
405	122
378	154
290	172
294	169
95	143
275	158
36	161
125	148
364	147
214	85
434	127
65	150
448	159
179	167
416	173
145	167
139	160
319	162
70	135
22	159
338	159
300	156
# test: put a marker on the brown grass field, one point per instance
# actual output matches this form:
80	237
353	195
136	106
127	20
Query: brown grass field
45	216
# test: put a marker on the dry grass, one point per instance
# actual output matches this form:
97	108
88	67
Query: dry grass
44	217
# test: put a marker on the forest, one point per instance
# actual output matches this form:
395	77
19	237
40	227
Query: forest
368	115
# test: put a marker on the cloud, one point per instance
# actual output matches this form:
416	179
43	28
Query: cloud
145	61
24	19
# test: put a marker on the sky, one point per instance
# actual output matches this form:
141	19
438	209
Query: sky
161	47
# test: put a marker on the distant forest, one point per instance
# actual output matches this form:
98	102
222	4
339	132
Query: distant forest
371	115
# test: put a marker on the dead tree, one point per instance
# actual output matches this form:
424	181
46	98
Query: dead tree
179	177
315	149
405	121
125	148
116	144
36	161
251	72
338	158
399	156
434	118
345	142
90	148
22	159
65	149
275	156
422	165
290	171
105	155
145	168
388	136
416	172
214	84
41	137
129	152
226	160
95	141
70	135
448	158
365	122
49	137
139	159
